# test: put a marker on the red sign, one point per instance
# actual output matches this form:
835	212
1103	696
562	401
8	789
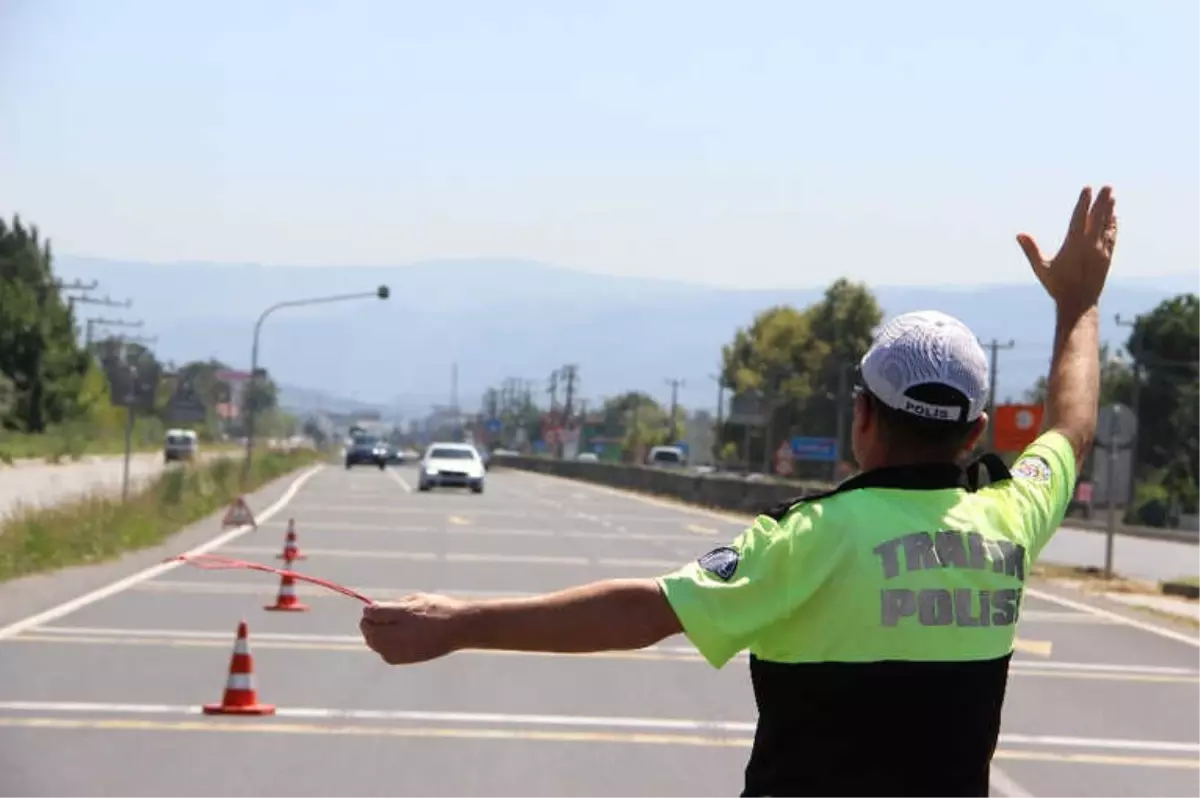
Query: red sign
1016	426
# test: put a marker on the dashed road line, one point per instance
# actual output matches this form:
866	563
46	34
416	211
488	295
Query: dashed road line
399	480
554	728
466	557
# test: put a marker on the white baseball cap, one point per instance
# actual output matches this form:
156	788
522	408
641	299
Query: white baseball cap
927	364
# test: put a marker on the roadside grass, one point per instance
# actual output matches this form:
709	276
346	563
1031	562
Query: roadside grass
99	526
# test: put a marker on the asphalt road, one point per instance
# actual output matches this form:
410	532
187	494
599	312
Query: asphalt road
103	699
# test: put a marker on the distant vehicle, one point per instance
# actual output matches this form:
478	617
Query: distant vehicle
666	457
180	444
451	465
367	450
502	452
588	457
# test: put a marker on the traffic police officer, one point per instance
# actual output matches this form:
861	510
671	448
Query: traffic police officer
880	617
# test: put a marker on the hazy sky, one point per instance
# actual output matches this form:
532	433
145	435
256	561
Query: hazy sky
739	143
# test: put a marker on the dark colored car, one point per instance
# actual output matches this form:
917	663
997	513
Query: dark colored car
367	451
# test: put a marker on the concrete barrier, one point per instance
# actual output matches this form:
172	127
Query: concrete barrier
732	493
737	494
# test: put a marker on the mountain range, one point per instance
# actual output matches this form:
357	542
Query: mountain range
491	319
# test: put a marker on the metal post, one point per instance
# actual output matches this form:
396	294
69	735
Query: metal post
1111	533
130	400
843	390
380	293
250	395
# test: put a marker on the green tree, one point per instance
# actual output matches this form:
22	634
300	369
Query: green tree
801	362
1166	347
640	421
1116	380
39	351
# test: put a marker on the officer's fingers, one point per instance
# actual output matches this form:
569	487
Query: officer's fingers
1033	255
1079	216
382	613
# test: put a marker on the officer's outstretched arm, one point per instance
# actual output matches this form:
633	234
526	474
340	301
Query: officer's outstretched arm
615	614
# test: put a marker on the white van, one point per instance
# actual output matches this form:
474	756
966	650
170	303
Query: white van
666	457
181	444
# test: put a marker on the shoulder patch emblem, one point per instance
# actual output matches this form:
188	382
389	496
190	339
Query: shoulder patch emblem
1035	469
721	562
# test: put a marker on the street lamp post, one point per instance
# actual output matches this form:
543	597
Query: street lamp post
381	292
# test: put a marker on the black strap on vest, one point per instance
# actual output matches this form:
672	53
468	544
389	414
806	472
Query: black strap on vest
935	476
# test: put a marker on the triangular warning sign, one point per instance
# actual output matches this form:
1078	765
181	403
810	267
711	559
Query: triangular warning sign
239	514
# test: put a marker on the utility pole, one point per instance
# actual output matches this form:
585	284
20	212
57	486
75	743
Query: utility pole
1135	401
995	346
716	447
553	390
843	400
570	374
675	385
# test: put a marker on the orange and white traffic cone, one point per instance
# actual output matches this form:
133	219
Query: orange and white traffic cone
286	601
291	549
240	696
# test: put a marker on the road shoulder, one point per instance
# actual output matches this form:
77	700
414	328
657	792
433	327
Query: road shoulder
26	596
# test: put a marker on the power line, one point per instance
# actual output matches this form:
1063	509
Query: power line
95	321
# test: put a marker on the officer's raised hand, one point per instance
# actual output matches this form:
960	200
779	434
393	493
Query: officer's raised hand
1075	276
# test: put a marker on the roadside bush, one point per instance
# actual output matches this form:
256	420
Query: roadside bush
100	526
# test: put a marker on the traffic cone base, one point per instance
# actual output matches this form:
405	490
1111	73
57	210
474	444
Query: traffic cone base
253	709
286	601
296	607
240	697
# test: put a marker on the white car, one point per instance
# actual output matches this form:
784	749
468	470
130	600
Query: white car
451	465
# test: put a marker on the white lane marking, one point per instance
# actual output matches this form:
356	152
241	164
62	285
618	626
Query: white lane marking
67	607
289	637
435	507
399	480
1004	784
308	591
1191	640
1029	591
507	719
1051	741
466	557
493	718
436	529
1052	616
1105	667
742	521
